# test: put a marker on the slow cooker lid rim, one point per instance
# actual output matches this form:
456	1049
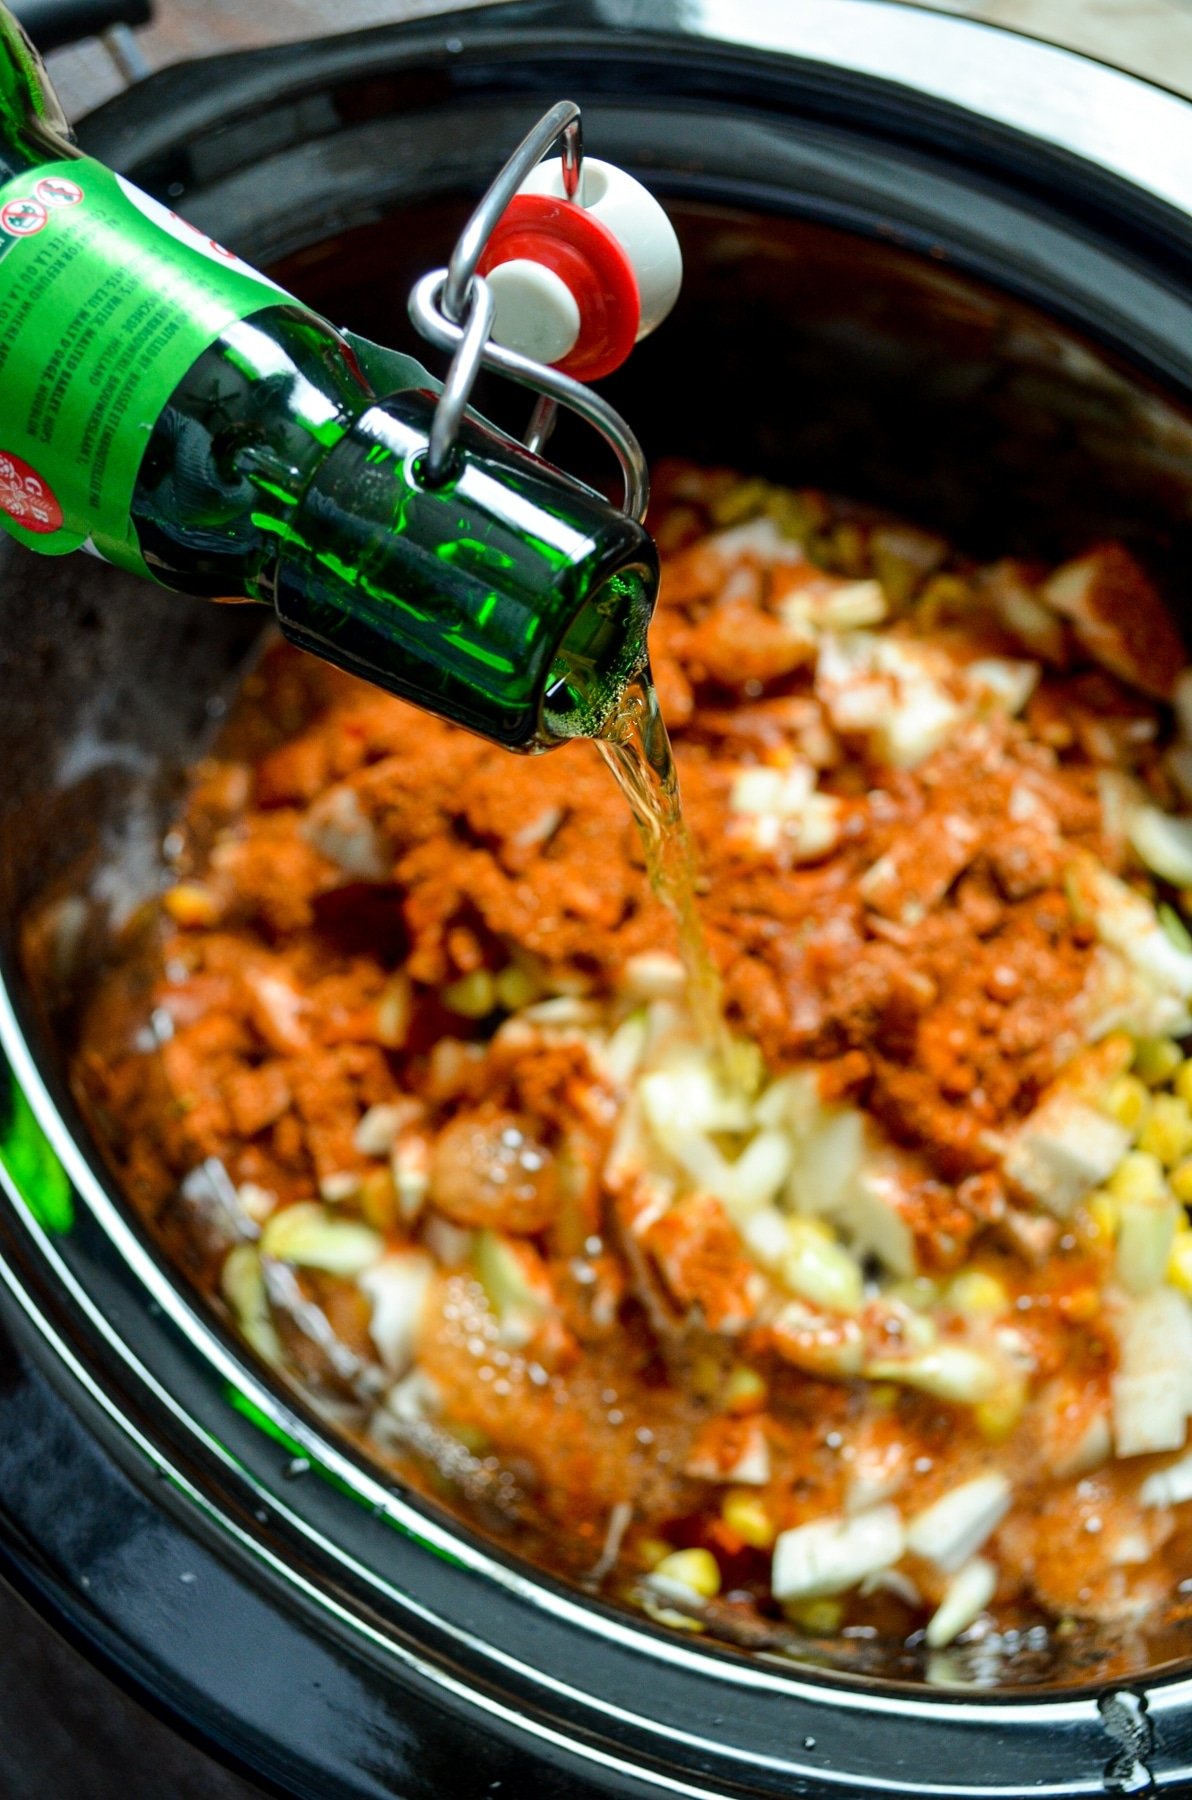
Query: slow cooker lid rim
184	101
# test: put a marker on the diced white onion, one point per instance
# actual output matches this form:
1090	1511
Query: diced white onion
1152	1387
955	1526
336	827
766	1236
965	1599
377	1129
1062	1150
1163	842
243	1287
396	1288
924	717
782	792
819	1270
831	1555
1170	1486
1011	683
310	1237
654	975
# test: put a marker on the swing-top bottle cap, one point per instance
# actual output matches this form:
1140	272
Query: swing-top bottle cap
577	282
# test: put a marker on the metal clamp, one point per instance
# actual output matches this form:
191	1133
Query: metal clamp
453	309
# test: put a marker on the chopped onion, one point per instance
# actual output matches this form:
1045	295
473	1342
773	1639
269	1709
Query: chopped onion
949	1371
336	827
766	1236
828	1162
782	792
758	1174
397	1288
377	1129
621	1056
1062	1150
965	1599
831	1555
310	1237
1011	683
1163	842
1170	1486
1152	1386
515	1283
819	1270
243	1287
954	1527
654	975
922	719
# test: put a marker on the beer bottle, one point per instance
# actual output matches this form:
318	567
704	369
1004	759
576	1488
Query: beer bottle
174	412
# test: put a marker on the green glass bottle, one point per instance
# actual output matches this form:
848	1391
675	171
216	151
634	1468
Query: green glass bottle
173	411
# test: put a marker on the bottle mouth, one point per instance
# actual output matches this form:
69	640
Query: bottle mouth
603	649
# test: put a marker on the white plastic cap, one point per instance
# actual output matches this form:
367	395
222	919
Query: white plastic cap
635	219
535	311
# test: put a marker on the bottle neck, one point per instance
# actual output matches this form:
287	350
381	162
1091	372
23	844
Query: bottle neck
508	599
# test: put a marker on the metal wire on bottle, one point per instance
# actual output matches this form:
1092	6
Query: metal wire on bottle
453	308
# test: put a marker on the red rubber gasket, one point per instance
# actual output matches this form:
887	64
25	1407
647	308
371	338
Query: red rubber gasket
566	239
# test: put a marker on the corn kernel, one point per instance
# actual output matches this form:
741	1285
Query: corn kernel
1156	1060
996	1417
515	988
705	1374
746	1514
822	1617
1179	1263
652	1550
472	996
1182	1080
192	905
695	1569
883	1396
1167	1132
974	1291
744	1392
1104	1214
1180	1182
1127	1100
1137	1179
378	1199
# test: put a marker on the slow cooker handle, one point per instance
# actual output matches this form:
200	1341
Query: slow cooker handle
53	23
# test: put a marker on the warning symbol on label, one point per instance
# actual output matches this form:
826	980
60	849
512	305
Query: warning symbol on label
21	218
24	496
56	190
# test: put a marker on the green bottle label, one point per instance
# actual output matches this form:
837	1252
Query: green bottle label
106	300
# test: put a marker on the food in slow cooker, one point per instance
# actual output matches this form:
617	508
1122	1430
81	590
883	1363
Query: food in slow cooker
891	1346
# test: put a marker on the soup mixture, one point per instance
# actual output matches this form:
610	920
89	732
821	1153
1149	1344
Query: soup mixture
881	1348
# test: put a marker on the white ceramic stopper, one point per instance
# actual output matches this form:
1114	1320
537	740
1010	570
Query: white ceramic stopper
635	219
535	311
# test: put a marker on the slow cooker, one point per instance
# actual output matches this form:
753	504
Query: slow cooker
929	263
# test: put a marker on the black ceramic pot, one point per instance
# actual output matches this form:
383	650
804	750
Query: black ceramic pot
928	262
